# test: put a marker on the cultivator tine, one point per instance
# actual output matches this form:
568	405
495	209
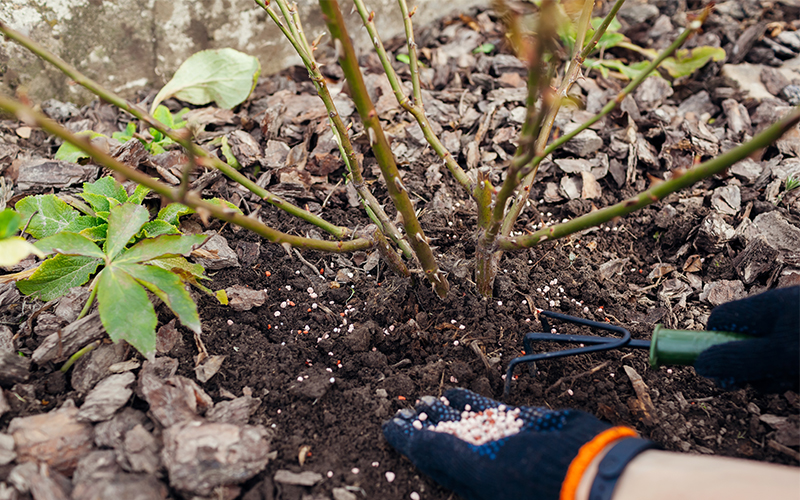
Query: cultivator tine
592	343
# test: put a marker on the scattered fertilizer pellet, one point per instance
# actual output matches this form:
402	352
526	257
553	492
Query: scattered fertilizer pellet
499	302
288	287
284	304
230	322
452	322
332	380
375	464
300	379
461	327
355	470
330	473
277	313
669	370
414	495
553	330
390	476
455	342
570	392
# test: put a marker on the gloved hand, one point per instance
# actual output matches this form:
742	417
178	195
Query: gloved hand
529	456
771	360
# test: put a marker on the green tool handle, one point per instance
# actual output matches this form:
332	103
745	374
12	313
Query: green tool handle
681	347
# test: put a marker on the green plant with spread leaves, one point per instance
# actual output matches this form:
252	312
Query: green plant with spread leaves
113	232
789	185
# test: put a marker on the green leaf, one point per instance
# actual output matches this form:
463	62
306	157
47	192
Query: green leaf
163	115
108	187
127	134
99	202
157	228
125	310
51	214
96	233
57	275
172	213
167	245
222	296
9	223
124	221
70	244
186	270
485	48
170	289
687	61
230	158
73	154
155	148
403	58
138	194
84	222
16	249
225	76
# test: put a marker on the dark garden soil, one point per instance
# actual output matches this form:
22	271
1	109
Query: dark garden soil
340	343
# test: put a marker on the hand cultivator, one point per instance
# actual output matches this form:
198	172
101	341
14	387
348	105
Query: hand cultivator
667	347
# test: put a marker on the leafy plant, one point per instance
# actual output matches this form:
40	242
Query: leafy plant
13	249
683	63
790	185
126	275
159	141
86	239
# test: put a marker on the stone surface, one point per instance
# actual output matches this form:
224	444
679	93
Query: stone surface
130	46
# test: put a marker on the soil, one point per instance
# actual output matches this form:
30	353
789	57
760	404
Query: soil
334	355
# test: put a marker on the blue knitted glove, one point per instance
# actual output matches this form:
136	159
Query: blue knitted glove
529	464
771	360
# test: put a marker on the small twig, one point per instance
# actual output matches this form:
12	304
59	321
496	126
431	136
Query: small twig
307	263
576	376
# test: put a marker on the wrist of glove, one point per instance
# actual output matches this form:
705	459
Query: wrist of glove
770	359
484	450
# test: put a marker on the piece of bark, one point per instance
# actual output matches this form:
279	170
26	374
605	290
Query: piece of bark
215	253
7	453
757	258
41	482
73	337
241	298
208	367
13	369
107	397
722	291
141	451
235	412
121	486
173	400
644	403
201	456
93	367
306	478
111	433
56	438
48	174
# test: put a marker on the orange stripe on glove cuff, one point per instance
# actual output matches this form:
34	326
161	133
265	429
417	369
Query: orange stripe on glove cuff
586	454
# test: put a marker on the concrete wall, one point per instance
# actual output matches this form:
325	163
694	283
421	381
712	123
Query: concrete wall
135	44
